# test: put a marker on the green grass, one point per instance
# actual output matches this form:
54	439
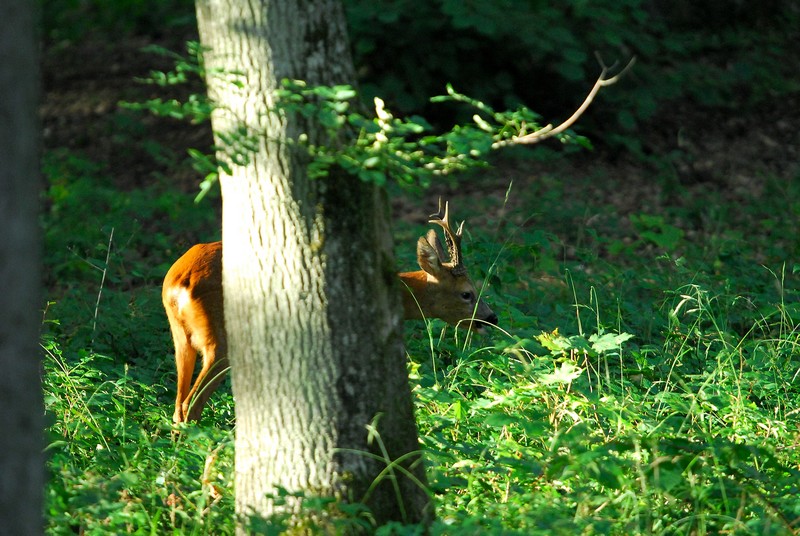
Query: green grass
644	381
597	431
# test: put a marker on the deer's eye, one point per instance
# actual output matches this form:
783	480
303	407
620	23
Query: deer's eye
467	296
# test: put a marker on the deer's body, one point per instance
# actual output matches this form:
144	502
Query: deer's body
192	297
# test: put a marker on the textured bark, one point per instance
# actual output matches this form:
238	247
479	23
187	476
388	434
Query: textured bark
21	463
312	312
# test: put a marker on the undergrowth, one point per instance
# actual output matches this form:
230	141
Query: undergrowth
593	430
641	384
644	378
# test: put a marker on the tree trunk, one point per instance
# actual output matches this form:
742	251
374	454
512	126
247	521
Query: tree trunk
311	305
21	422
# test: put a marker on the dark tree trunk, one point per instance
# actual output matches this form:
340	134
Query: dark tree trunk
21	406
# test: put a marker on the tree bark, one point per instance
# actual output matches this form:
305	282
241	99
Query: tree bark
21	406
311	305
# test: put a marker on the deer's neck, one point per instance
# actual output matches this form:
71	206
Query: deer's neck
414	284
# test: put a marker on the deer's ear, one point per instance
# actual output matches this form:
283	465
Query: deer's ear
428	257
433	240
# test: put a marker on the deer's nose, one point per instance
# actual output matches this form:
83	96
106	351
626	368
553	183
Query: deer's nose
492	319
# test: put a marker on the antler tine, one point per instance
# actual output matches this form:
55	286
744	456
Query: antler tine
453	239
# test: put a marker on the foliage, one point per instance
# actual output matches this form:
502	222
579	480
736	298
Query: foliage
71	20
405	150
508	52
113	465
656	393
196	109
114	468
375	147
584	433
645	376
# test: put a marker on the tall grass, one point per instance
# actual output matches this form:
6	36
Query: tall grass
645	386
596	432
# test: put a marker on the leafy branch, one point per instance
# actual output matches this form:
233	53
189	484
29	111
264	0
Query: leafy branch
373	147
383	145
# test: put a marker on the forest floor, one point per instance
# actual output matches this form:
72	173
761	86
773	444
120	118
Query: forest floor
617	345
729	151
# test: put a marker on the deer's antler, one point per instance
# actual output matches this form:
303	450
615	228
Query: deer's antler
453	239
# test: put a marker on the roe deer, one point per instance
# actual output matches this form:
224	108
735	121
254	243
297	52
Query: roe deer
192	297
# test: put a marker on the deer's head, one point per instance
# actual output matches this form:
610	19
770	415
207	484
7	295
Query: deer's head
443	289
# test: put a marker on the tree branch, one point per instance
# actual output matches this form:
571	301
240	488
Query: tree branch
550	131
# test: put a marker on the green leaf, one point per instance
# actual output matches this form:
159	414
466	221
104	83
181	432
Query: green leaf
608	341
499	420
565	374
